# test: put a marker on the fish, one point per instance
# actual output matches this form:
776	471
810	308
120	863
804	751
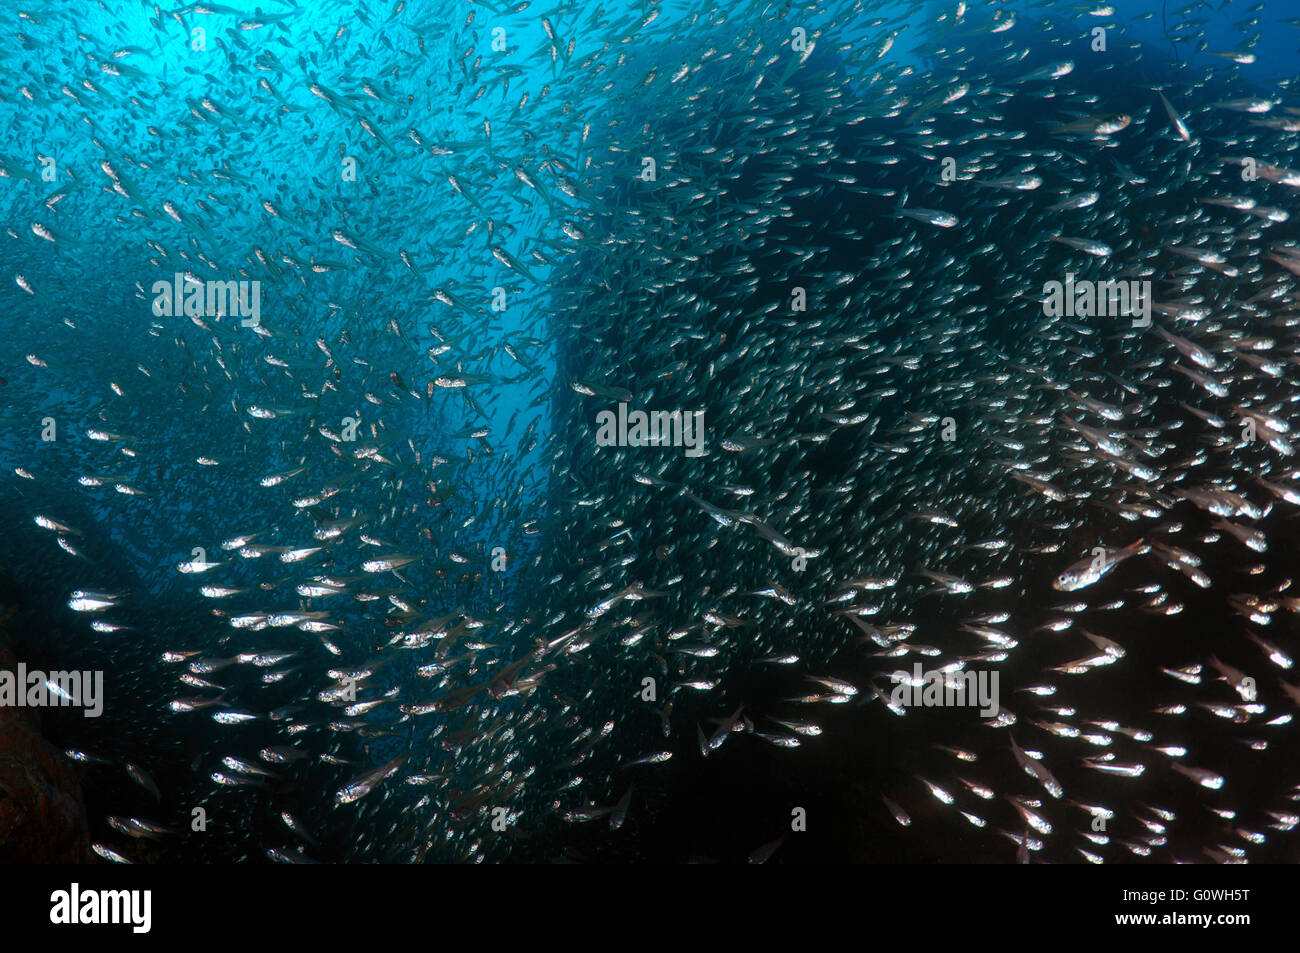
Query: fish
364	783
142	778
1176	120
1091	569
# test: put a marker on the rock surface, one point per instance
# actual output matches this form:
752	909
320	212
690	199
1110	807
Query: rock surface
42	815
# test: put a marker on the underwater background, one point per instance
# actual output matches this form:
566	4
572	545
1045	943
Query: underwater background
364	578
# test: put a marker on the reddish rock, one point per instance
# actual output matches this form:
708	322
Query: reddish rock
42	816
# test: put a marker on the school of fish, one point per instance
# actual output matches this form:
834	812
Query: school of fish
364	582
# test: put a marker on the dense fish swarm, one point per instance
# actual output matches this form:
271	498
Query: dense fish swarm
966	336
